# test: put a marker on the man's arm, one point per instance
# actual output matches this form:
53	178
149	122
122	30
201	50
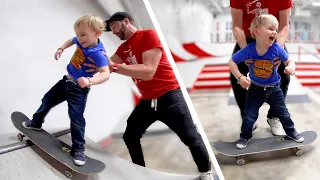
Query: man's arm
116	59
145	71
283	31
237	28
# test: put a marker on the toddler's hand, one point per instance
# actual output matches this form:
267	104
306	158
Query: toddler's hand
58	54
244	82
289	70
83	82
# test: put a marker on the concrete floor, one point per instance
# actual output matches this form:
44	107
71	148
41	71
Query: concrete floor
164	153
222	122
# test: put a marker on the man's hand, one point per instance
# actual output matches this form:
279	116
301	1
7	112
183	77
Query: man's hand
289	70
95	68
244	82
248	62
276	62
58	54
83	82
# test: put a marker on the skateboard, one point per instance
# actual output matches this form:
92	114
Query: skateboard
261	145
55	148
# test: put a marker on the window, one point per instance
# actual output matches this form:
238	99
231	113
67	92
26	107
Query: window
301	31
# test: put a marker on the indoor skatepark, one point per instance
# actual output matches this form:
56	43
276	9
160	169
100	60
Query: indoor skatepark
31	40
198	57
202	62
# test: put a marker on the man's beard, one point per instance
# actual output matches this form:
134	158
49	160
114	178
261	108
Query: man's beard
122	31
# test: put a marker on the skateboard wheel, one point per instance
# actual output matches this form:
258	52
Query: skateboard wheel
241	162
299	152
20	137
68	174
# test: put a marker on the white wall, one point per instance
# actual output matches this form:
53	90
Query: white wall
31	33
226	18
166	13
222	20
188	22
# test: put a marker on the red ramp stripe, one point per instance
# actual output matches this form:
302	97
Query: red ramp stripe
195	50
199	87
136	98
308	76
177	58
215	70
307	68
213	78
310	84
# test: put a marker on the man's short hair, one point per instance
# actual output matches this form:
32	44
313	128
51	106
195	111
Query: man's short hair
118	16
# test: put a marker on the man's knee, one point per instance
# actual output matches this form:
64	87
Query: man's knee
126	137
131	137
192	138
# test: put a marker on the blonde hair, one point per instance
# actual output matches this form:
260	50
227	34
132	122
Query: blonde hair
260	20
93	21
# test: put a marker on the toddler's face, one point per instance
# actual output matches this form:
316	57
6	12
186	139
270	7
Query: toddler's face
86	35
267	32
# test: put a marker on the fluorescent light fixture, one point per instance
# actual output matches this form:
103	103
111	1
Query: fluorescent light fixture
225	4
316	3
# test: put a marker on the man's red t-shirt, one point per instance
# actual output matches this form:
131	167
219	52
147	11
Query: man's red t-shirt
252	8
131	51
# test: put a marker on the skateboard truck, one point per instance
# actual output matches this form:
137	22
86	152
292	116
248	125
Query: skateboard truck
240	161
298	151
20	136
68	173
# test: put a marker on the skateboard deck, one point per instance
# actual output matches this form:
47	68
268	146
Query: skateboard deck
260	145
56	148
